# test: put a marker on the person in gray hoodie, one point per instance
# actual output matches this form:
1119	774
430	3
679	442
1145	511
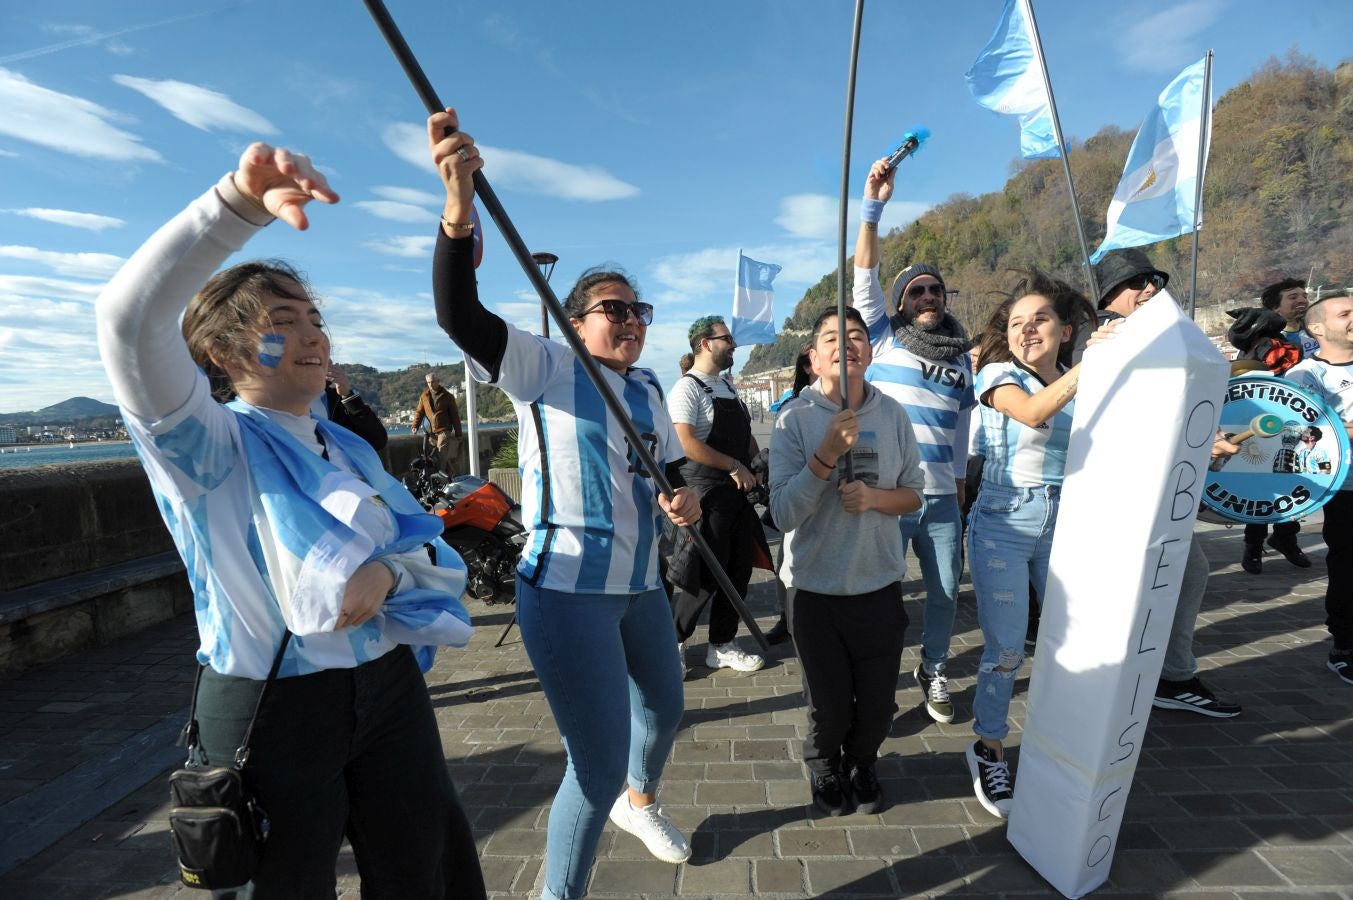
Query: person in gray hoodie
843	564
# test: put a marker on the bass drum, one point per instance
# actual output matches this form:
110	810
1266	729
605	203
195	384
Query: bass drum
1293	453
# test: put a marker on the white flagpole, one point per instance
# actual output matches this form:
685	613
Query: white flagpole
1061	147
471	422
1203	133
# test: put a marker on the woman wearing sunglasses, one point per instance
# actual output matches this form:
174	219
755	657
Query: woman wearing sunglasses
593	614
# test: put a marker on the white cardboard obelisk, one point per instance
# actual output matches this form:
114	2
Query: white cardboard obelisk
1145	418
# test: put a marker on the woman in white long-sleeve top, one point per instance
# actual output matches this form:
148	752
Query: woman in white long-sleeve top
298	546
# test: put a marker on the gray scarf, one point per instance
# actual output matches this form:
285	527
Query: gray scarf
944	341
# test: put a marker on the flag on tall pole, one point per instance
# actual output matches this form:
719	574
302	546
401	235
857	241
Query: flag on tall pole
1156	198
1008	77
753	302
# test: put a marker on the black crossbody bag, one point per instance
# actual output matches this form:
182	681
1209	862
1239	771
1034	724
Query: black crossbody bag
216	826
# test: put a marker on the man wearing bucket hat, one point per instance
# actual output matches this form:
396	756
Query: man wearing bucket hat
1127	280
921	361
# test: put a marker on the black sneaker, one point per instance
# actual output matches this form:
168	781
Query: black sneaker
1341	664
1194	696
936	690
1288	547
865	788
990	779
779	633
829	794
1253	560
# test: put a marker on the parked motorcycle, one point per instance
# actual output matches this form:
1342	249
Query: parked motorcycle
481	523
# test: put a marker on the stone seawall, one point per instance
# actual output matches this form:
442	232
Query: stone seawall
85	557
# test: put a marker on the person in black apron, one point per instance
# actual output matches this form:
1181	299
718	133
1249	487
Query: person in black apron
718	469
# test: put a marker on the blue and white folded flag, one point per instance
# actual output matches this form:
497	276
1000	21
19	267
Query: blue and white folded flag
1008	78
1154	200
753	301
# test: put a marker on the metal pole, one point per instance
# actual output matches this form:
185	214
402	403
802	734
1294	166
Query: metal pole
1061	149
471	422
518	246
1205	126
841	232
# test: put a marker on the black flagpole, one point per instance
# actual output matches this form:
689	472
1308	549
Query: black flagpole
845	201
509	232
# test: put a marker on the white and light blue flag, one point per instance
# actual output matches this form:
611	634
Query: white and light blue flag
753	301
1008	78
1154	200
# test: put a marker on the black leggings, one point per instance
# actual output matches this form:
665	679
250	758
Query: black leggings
350	752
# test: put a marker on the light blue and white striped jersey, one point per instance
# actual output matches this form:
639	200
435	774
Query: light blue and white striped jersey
1017	455
593	516
937	394
1302	338
204	488
1333	383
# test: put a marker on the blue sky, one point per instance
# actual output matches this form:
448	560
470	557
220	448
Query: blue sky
661	137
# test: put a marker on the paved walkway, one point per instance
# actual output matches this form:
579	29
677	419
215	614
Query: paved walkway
1257	806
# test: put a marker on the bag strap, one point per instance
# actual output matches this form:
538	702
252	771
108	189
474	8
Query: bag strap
189	735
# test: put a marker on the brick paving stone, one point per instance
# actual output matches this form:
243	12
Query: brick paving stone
1261	805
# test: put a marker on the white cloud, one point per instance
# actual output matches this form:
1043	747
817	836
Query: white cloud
515	170
8	153
87	221
79	265
65	122
818	216
397	212
40	287
118	48
198	106
72	30
408	195
1165	41
409	246
695	276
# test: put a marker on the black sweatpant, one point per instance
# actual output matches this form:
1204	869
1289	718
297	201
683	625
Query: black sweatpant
721	514
346	751
850	650
1255	532
1338	534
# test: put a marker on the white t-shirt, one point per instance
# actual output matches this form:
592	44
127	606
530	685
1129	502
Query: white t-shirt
690	404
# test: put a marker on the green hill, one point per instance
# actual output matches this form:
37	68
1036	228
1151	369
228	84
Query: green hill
1276	203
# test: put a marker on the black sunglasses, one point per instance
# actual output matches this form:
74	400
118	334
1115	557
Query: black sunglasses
917	291
1141	281
618	311
720	337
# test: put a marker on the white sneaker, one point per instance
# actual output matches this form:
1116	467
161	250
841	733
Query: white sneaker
730	656
649	825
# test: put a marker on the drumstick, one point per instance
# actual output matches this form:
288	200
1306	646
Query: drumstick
1263	425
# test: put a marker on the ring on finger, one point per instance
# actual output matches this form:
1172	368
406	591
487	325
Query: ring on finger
460	151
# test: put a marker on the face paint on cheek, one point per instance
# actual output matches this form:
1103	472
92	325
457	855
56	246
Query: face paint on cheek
270	347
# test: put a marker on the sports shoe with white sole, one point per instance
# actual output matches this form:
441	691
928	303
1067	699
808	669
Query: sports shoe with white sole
1341	664
990	779
649	825
936	689
731	656
1194	696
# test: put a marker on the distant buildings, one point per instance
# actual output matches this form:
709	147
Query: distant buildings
8	435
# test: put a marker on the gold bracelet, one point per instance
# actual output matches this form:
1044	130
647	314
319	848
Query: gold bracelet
458	226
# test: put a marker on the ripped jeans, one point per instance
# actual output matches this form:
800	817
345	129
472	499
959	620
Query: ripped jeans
1009	539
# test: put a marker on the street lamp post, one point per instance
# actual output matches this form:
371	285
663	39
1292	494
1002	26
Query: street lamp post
545	260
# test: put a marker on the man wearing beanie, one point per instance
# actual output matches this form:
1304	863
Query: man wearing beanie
1126	281
921	361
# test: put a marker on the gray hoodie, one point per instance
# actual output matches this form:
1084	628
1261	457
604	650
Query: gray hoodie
828	550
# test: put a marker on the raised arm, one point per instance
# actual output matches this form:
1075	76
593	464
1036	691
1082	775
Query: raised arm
478	332
148	364
867	292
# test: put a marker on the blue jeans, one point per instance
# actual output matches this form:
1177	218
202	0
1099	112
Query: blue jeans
936	533
609	668
1009	539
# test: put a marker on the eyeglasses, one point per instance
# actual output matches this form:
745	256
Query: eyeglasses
618	311
917	291
721	337
1141	281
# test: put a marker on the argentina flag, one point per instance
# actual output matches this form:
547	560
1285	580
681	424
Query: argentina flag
1008	78
1154	200
753	296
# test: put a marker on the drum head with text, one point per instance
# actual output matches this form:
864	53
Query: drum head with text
1293	452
